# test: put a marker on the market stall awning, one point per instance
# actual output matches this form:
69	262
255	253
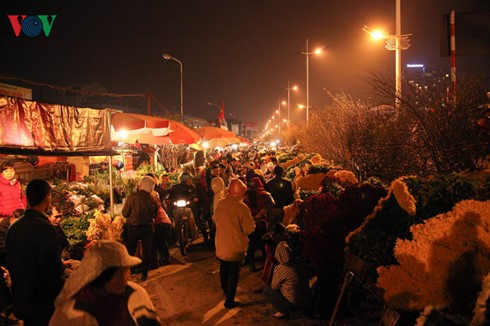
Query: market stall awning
154	130
32	128
129	124
208	133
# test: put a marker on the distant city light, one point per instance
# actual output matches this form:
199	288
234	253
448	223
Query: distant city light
415	65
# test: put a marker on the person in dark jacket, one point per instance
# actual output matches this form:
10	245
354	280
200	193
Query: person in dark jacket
34	259
249	171
55	218
282	191
140	209
260	202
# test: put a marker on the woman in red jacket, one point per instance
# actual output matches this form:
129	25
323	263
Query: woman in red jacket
11	198
11	194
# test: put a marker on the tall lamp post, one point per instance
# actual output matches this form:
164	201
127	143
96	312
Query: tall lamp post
278	112
289	89
317	51
397	42
167	56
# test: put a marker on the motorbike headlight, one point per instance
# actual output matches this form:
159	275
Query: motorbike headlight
181	203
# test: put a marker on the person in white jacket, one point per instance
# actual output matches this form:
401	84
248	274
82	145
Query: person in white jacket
98	291
234	223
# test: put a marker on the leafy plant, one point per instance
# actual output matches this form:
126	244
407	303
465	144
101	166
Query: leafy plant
320	168
75	227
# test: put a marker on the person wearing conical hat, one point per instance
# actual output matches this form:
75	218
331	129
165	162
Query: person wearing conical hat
99	292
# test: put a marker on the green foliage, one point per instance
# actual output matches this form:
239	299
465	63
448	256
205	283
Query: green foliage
75	227
284	157
320	168
290	174
144	170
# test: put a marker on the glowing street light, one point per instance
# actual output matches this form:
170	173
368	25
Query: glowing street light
167	56
397	42
316	51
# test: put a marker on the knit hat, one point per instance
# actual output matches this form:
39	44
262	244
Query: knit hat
147	184
217	185
237	189
100	255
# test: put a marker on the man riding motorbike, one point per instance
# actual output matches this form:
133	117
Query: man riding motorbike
183	191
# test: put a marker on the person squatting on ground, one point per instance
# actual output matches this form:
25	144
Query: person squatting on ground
234	223
271	240
99	292
140	210
259	201
34	258
289	289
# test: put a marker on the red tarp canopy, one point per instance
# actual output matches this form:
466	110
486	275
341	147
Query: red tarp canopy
32	128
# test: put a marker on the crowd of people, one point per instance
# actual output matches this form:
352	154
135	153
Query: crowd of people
235	202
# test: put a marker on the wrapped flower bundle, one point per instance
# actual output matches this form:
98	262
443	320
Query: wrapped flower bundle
445	263
410	201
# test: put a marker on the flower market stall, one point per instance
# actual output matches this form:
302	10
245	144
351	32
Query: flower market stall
419	247
32	128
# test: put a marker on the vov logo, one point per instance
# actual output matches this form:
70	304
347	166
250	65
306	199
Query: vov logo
32	26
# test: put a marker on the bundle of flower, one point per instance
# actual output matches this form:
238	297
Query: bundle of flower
329	217
410	201
283	157
102	227
335	181
309	181
444	265
75	228
293	162
318	168
61	198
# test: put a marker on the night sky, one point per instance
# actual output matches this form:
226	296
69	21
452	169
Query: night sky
242	52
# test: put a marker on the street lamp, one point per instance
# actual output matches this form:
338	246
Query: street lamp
289	89
215	105
167	56
301	107
397	42
317	51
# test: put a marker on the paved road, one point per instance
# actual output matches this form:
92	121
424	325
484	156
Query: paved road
187	292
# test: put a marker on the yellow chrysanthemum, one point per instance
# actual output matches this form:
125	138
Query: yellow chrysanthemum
425	263
345	177
403	196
